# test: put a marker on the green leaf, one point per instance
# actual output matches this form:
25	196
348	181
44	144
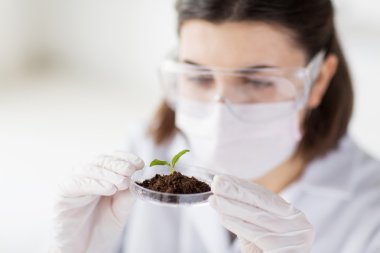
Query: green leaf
158	162
177	156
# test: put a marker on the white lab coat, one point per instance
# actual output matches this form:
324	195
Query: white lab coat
339	194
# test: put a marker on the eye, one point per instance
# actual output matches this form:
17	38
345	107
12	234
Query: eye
202	80
259	83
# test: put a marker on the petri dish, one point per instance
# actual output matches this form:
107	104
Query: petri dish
171	199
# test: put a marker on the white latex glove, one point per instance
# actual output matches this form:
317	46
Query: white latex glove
93	204
262	220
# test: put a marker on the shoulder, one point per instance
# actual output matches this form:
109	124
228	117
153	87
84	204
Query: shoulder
347	169
140	142
347	180
137	138
341	193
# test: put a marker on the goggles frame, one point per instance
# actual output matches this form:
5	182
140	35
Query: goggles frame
309	74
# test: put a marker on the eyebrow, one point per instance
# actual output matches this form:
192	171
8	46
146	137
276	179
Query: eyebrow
245	68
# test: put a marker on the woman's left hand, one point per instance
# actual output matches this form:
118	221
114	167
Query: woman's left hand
262	220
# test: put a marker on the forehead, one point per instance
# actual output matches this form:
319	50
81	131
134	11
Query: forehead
238	44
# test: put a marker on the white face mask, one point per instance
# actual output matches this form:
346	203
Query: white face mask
228	145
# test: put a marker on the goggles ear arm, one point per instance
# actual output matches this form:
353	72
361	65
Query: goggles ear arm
173	53
314	66
168	63
312	72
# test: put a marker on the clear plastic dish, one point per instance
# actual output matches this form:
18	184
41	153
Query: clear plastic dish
171	199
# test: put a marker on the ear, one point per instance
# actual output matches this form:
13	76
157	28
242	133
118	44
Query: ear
322	82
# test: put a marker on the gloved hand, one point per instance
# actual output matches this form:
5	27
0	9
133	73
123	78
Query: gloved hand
262	220
93	204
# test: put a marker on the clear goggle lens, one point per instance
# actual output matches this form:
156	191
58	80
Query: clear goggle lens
239	89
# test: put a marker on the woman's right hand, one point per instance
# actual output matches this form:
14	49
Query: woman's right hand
93	204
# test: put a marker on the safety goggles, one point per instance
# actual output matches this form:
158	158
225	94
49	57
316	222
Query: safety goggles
238	87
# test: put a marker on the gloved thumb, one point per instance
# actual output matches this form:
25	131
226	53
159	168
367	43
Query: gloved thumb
121	205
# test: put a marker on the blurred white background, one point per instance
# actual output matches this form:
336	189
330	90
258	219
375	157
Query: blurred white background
74	74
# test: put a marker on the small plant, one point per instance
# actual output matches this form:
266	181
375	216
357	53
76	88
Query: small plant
175	182
171	165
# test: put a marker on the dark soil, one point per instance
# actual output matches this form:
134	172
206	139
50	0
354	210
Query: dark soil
175	183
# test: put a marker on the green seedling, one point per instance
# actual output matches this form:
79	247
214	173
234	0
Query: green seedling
170	165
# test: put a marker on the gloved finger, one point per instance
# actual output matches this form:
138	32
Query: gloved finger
267	240
258	216
243	229
247	246
121	204
122	163
95	172
79	187
129	157
299	241
250	193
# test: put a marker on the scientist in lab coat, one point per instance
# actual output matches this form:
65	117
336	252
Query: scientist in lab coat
260	92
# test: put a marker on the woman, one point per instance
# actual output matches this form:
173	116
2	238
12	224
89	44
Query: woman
261	93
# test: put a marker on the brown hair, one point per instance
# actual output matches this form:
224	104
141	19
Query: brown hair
313	25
